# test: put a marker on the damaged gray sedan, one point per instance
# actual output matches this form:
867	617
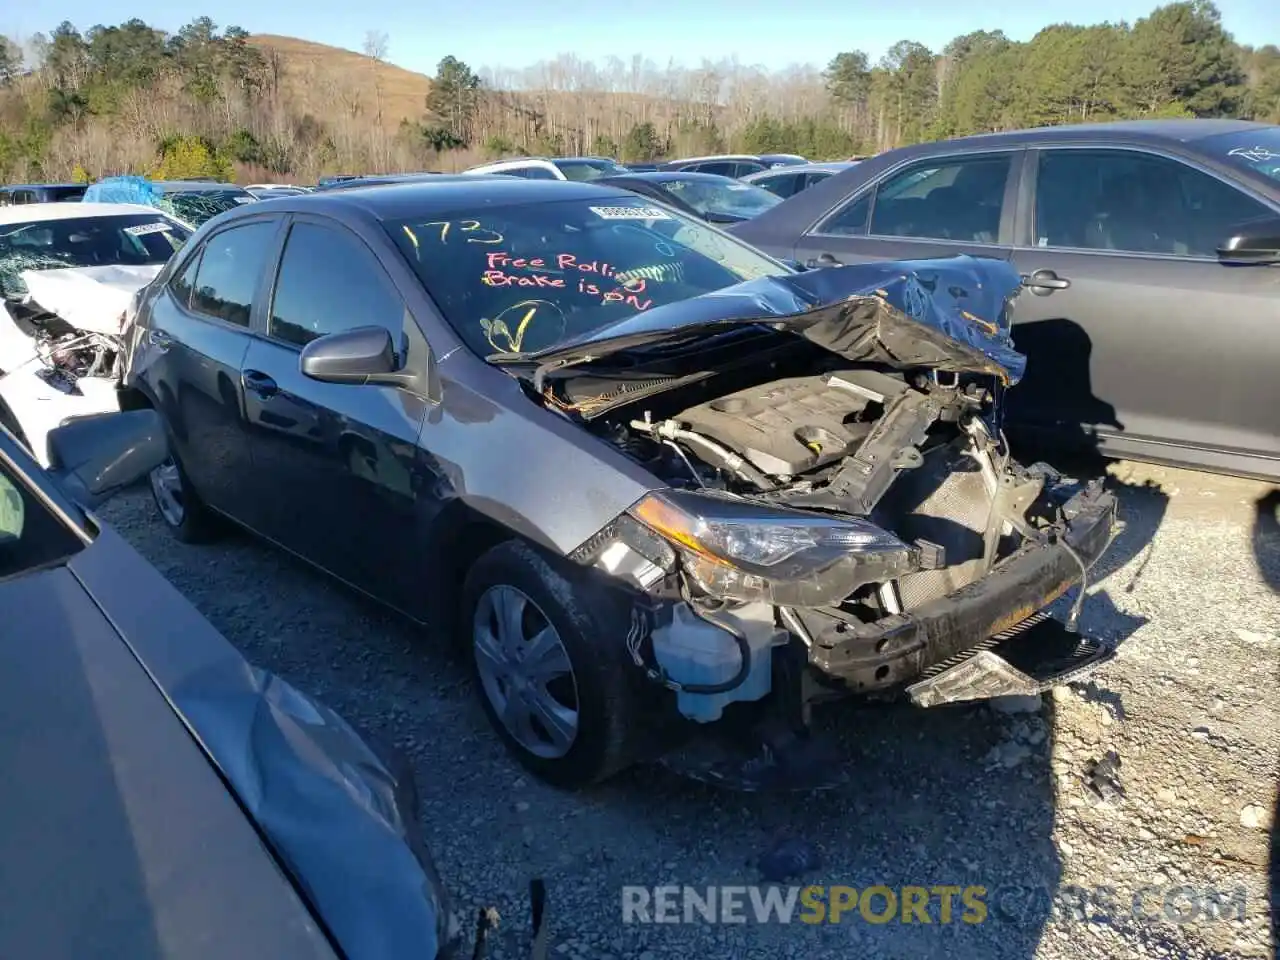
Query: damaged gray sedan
663	485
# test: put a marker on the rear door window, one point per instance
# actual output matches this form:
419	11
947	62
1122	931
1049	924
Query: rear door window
537	173
724	168
782	184
1133	202
231	265
949	198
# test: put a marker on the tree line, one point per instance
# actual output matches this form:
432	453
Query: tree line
208	101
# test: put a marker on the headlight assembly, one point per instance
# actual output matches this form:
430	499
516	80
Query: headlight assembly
741	550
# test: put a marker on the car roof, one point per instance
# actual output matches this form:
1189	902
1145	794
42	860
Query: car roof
38	186
69	210
1183	130
667	176
434	197
718	156
834	166
385	179
195	186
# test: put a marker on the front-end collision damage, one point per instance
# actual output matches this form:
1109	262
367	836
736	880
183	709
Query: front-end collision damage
863	517
61	345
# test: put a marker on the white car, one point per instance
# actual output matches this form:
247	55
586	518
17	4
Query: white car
559	168
68	275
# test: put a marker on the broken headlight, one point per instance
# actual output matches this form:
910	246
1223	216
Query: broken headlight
739	550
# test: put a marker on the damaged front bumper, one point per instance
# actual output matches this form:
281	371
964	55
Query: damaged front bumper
38	402
955	647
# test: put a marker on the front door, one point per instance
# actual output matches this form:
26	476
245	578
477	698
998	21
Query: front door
197	334
942	206
336	462
1137	338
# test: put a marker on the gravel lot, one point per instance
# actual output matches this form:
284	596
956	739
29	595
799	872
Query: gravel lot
962	795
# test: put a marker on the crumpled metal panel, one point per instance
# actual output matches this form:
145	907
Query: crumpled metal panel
950	314
89	298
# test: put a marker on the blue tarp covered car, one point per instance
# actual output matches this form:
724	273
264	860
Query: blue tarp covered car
194	201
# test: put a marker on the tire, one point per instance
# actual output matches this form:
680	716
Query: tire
180	507
590	624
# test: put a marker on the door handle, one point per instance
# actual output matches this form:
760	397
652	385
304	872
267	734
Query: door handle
1044	282
255	381
158	338
822	260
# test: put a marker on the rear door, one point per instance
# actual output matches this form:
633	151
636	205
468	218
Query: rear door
336	462
198	330
941	206
1135	333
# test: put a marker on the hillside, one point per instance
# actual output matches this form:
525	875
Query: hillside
317	75
210	101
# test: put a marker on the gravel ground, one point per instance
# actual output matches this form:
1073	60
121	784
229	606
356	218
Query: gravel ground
961	795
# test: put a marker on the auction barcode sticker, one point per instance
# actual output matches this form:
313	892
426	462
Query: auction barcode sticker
142	229
630	213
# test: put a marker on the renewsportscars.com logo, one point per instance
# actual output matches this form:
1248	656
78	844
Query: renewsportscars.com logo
937	904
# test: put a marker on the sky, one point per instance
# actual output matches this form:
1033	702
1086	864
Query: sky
509	34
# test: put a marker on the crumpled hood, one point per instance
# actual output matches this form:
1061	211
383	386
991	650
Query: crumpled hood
951	315
89	298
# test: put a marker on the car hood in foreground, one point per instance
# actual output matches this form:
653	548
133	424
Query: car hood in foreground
332	809
950	315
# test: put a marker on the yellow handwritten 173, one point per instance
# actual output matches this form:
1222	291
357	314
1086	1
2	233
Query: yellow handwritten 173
465	226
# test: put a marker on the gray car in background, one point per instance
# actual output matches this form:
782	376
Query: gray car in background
660	485
787	181
1149	252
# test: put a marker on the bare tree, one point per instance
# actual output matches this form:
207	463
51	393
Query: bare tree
376	44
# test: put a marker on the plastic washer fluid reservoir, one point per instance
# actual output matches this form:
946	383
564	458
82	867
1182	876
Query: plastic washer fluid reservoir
693	651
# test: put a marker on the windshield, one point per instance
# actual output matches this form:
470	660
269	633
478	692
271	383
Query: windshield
723	195
524	278
197	206
131	239
1258	151
588	169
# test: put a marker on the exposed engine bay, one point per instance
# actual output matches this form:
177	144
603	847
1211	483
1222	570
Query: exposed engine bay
65	355
914	455
62	346
864	524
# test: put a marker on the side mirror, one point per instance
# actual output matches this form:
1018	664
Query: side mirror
794	265
96	456
1256	242
363	355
